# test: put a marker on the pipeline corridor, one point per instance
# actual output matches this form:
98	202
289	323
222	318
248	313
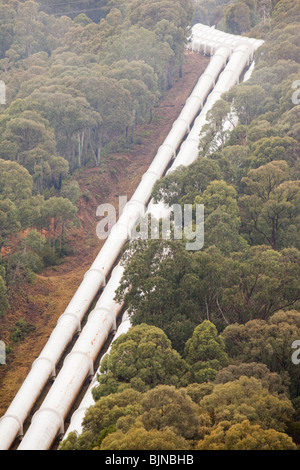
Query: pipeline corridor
230	56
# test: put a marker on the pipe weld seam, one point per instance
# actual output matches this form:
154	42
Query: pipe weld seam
98	310
150	172
55	412
190	140
169	145
232	72
16	418
99	271
187	124
195	96
73	315
136	203
86	356
47	359
79	410
209	75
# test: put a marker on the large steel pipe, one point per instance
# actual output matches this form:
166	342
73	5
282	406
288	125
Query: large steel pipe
88	400
51	415
205	39
69	323
239	60
41	433
228	78
156	169
49	420
225	82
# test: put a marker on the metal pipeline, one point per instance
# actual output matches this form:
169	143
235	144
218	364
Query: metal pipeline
49	418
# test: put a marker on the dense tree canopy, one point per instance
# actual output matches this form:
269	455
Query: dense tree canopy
253	411
148	360
271	343
64	87
205	351
72	95
174	289
244	436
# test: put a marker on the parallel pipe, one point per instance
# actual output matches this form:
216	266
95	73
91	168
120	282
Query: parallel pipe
239	60
88	400
41	435
228	78
48	421
224	83
69	323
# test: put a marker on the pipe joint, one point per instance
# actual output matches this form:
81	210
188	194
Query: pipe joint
17	419
80	410
70	314
150	173
83	354
98	271
138	205
170	146
185	122
54	412
47	359
98	311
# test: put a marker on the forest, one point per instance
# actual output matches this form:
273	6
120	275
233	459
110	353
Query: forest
73	96
207	364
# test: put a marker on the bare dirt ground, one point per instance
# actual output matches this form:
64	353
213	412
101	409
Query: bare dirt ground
42	302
